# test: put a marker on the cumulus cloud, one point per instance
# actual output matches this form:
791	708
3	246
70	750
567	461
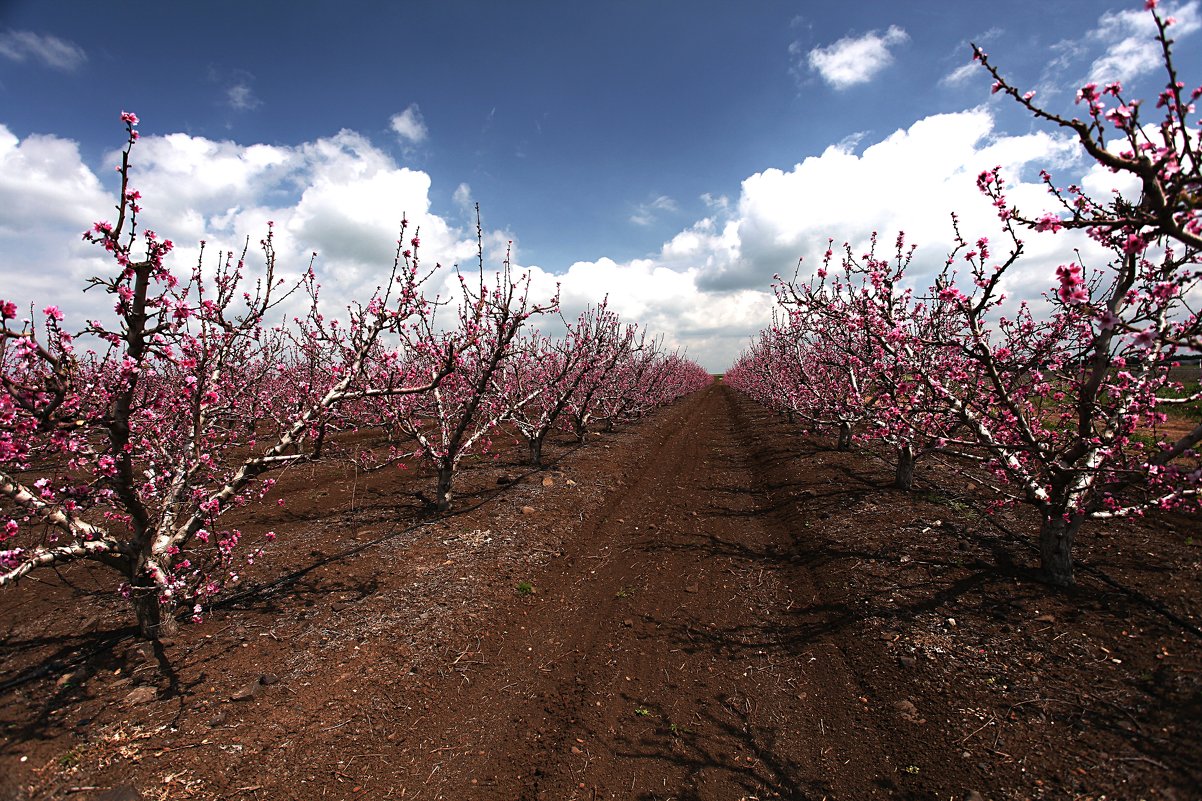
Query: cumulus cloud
339	196
51	51
912	180
410	126
709	283
50	197
43	178
710	329
707	287
854	60
1131	48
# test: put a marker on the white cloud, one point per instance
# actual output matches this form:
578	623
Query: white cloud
709	283
44	179
463	198
340	196
52	51
50	198
647	213
855	60
242	98
716	203
961	74
410	126
707	287
1131	48
711	328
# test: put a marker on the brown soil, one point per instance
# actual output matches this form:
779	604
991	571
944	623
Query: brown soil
719	609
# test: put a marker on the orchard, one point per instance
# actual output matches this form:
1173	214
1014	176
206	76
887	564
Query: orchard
126	441
475	534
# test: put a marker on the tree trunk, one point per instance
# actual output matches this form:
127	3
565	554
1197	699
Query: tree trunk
320	441
536	451
1056	549
154	620
905	467
845	436
446	476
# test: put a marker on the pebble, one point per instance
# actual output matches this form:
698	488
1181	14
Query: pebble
141	695
78	676
527	510
247	692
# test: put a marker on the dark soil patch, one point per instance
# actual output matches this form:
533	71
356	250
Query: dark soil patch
705	606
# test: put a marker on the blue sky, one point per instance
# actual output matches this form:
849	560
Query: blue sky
671	154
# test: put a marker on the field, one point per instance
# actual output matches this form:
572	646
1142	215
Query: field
705	605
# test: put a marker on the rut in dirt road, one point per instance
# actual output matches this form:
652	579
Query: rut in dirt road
679	649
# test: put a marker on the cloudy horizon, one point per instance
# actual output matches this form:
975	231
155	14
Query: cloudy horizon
684	247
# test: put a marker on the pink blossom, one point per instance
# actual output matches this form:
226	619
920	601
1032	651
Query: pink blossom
1049	222
1072	284
129	118
1134	244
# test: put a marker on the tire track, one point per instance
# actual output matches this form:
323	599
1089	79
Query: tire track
680	649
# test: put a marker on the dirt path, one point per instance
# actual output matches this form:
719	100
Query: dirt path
677	650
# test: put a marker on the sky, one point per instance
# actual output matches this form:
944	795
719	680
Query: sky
671	155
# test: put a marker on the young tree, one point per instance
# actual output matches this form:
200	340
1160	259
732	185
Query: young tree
455	418
882	331
542	380
614	344
1062	400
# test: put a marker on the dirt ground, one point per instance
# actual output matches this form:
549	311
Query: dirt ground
703	606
